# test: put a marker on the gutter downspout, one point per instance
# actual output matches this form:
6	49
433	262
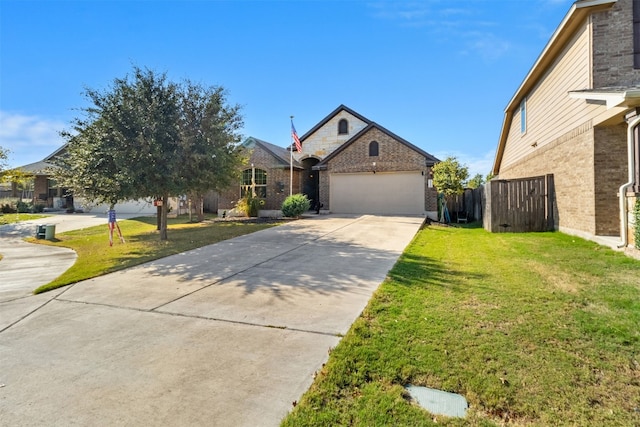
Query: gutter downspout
624	216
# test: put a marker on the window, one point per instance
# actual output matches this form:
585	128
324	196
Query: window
373	149
256	178
523	116
343	127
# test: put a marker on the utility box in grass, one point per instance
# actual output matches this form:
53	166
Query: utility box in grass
49	231
40	231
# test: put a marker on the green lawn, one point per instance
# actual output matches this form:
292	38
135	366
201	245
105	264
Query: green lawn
142	244
10	218
533	329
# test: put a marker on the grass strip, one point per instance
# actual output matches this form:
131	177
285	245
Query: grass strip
142	244
533	329
11	218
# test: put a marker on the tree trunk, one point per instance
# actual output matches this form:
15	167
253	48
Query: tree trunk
200	207
163	220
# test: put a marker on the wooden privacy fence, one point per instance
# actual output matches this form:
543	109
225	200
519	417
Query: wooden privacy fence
468	204
519	205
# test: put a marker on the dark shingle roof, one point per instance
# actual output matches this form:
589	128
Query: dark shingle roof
280	153
431	160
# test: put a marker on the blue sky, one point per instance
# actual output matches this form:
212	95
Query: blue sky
439	73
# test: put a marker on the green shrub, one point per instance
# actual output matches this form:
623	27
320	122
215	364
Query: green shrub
38	208
250	205
295	205
7	208
23	207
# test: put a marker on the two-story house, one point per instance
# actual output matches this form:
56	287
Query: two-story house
576	116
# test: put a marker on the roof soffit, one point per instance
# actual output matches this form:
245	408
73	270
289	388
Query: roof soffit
572	21
610	98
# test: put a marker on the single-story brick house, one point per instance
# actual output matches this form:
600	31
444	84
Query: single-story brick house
576	115
348	164
48	193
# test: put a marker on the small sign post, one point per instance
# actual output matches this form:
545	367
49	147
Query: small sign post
113	224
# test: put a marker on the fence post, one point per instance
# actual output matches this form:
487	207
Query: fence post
550	187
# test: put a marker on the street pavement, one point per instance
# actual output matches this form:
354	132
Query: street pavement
26	266
227	335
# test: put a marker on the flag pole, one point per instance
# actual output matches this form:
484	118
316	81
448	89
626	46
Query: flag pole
291	163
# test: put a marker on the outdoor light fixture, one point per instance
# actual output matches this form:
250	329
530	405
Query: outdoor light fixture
374	167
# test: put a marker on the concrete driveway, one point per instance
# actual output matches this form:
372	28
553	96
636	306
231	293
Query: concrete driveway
229	334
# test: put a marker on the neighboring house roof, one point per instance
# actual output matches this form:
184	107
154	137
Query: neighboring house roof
431	160
324	121
572	21
59	152
281	154
37	168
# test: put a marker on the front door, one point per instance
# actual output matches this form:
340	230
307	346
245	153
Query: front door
311	181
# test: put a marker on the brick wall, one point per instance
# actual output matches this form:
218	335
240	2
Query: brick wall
610	154
277	181
392	156
613	46
570	159
41	186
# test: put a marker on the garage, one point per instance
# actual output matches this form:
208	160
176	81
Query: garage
377	193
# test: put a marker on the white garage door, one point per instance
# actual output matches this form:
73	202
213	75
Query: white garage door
380	193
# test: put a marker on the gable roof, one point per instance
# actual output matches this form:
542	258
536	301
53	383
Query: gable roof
59	152
431	160
331	115
572	21
281	154
37	168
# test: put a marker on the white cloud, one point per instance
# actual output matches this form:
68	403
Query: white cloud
486	45
29	138
463	27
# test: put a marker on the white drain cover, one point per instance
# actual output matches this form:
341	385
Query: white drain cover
439	402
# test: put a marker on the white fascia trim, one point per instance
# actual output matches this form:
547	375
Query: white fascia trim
567	18
612	99
589	3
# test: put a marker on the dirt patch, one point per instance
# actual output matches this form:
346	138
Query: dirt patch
556	277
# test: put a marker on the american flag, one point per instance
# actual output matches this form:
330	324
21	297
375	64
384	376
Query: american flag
296	140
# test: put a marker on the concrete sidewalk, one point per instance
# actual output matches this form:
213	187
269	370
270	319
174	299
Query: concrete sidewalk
26	266
229	334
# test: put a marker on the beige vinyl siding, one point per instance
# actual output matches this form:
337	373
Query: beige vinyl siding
550	111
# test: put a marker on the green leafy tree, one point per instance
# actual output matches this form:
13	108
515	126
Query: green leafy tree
209	141
144	138
476	181
449	176
4	157
24	181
